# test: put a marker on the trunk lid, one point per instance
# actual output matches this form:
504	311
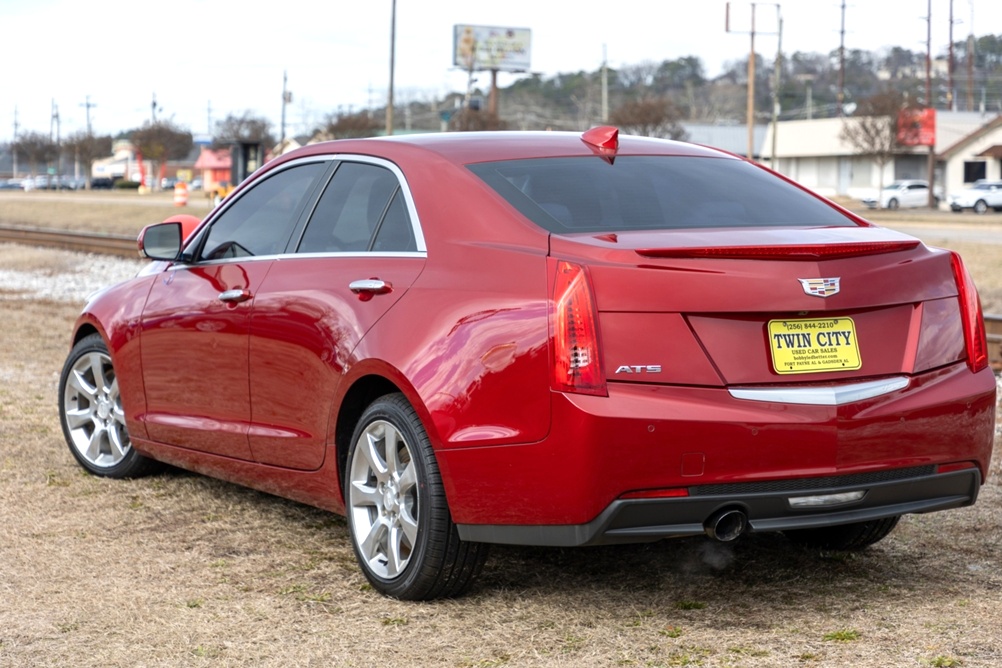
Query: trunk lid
725	307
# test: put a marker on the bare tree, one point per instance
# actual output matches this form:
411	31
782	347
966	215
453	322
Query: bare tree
872	130
37	148
650	117
86	148
160	142
245	128
344	126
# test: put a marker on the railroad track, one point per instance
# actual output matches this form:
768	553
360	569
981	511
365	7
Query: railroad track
86	242
124	246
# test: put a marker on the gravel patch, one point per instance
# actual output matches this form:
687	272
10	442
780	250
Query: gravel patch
64	276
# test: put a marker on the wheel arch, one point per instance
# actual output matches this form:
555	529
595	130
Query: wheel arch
362	392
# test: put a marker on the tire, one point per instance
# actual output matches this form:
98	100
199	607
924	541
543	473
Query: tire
398	517
980	206
892	203
856	536
90	411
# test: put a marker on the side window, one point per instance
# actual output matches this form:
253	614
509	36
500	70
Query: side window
395	232
261	221
362	209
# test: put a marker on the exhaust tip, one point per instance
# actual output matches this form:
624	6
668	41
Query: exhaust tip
726	525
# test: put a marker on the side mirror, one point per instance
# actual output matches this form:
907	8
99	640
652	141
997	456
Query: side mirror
161	241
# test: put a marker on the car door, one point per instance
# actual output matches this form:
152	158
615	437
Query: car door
195	325
359	252
916	195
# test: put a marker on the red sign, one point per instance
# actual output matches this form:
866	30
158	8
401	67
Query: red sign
917	127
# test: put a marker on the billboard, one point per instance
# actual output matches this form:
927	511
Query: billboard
917	127
491	48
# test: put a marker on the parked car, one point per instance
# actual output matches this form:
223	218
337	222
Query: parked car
980	197
551	339
907	194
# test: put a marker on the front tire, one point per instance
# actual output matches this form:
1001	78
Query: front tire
90	410
892	204
980	206
398	516
856	536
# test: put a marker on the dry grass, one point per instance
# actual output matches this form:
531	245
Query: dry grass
99	211
179	569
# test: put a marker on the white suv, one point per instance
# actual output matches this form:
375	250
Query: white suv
979	197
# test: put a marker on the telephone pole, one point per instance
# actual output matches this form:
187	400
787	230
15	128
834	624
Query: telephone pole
750	115
88	105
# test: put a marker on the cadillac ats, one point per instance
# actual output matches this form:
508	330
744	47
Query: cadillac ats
541	339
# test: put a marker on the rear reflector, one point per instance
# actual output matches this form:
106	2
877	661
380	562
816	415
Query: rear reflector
674	493
956	466
790	252
970	312
577	365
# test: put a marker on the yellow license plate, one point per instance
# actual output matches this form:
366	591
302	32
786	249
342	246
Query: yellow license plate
813	346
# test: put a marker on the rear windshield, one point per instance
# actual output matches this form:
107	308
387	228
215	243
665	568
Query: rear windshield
588	194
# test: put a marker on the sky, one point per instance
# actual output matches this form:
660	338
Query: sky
202	60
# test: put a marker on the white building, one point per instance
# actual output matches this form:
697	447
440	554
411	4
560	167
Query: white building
968	147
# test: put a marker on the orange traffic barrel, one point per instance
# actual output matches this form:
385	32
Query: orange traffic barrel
181	194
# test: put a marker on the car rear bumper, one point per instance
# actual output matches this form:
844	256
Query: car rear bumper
768	507
652	461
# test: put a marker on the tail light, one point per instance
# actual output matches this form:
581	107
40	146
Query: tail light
577	365
971	315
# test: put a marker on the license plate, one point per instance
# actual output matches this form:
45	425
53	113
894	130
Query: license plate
814	346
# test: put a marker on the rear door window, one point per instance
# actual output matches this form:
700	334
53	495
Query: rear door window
361	210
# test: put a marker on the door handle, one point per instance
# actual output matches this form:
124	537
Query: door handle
235	296
371	286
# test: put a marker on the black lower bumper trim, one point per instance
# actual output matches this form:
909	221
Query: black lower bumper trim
643	520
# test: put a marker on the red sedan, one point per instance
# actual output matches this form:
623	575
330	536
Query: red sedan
540	339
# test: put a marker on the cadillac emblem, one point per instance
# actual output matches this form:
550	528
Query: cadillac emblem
820	287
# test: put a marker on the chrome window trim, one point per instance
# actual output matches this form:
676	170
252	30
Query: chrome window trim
422	249
835	395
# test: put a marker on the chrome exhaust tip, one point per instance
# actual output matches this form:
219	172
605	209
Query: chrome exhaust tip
726	525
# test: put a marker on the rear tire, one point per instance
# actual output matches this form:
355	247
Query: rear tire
398	516
857	536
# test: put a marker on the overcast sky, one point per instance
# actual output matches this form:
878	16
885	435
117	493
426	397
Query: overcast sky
205	59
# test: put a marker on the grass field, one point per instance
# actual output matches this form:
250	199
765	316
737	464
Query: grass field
182	570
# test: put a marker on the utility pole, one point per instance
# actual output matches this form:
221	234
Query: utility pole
88	105
950	101
393	48
841	66
750	112
286	99
14	145
929	103
750	115
59	149
605	86
970	62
